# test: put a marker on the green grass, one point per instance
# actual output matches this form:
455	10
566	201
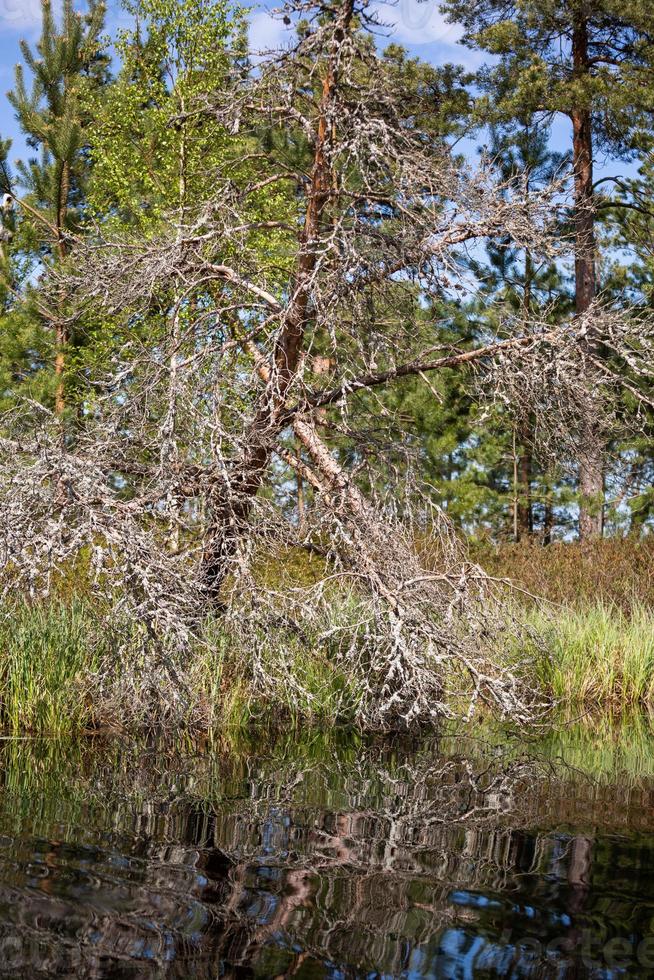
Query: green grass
296	681
61	670
598	655
48	656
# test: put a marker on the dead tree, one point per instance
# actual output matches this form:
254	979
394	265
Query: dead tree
280	265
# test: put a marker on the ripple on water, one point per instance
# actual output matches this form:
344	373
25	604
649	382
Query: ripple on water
452	858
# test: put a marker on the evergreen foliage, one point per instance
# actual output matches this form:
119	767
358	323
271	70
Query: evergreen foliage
69	62
125	146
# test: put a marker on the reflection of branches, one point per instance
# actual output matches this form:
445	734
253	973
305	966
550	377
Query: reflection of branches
316	854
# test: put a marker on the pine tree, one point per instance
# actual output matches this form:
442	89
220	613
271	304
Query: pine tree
520	284
482	470
592	61
629	228
67	64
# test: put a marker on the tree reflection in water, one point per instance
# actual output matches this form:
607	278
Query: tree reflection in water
456	858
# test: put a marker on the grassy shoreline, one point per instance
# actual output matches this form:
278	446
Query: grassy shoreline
599	656
55	677
63	671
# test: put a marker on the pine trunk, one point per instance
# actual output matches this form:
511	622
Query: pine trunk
61	332
524	516
591	472
231	512
548	521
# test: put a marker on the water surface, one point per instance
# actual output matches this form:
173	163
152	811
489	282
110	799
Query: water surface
327	857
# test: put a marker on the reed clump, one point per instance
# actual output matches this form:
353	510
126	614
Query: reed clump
599	655
65	668
49	658
598	622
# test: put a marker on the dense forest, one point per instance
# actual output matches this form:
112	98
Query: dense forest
287	335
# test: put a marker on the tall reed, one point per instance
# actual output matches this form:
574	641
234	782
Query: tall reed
598	655
48	655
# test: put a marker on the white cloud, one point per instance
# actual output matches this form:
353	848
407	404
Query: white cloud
24	16
20	15
416	22
266	33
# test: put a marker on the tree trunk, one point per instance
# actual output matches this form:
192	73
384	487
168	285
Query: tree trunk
591	472
301	505
61	331
232	510
524	515
524	521
548	521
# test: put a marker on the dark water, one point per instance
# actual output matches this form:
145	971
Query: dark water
476	857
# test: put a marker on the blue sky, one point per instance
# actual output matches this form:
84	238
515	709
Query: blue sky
22	19
419	26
